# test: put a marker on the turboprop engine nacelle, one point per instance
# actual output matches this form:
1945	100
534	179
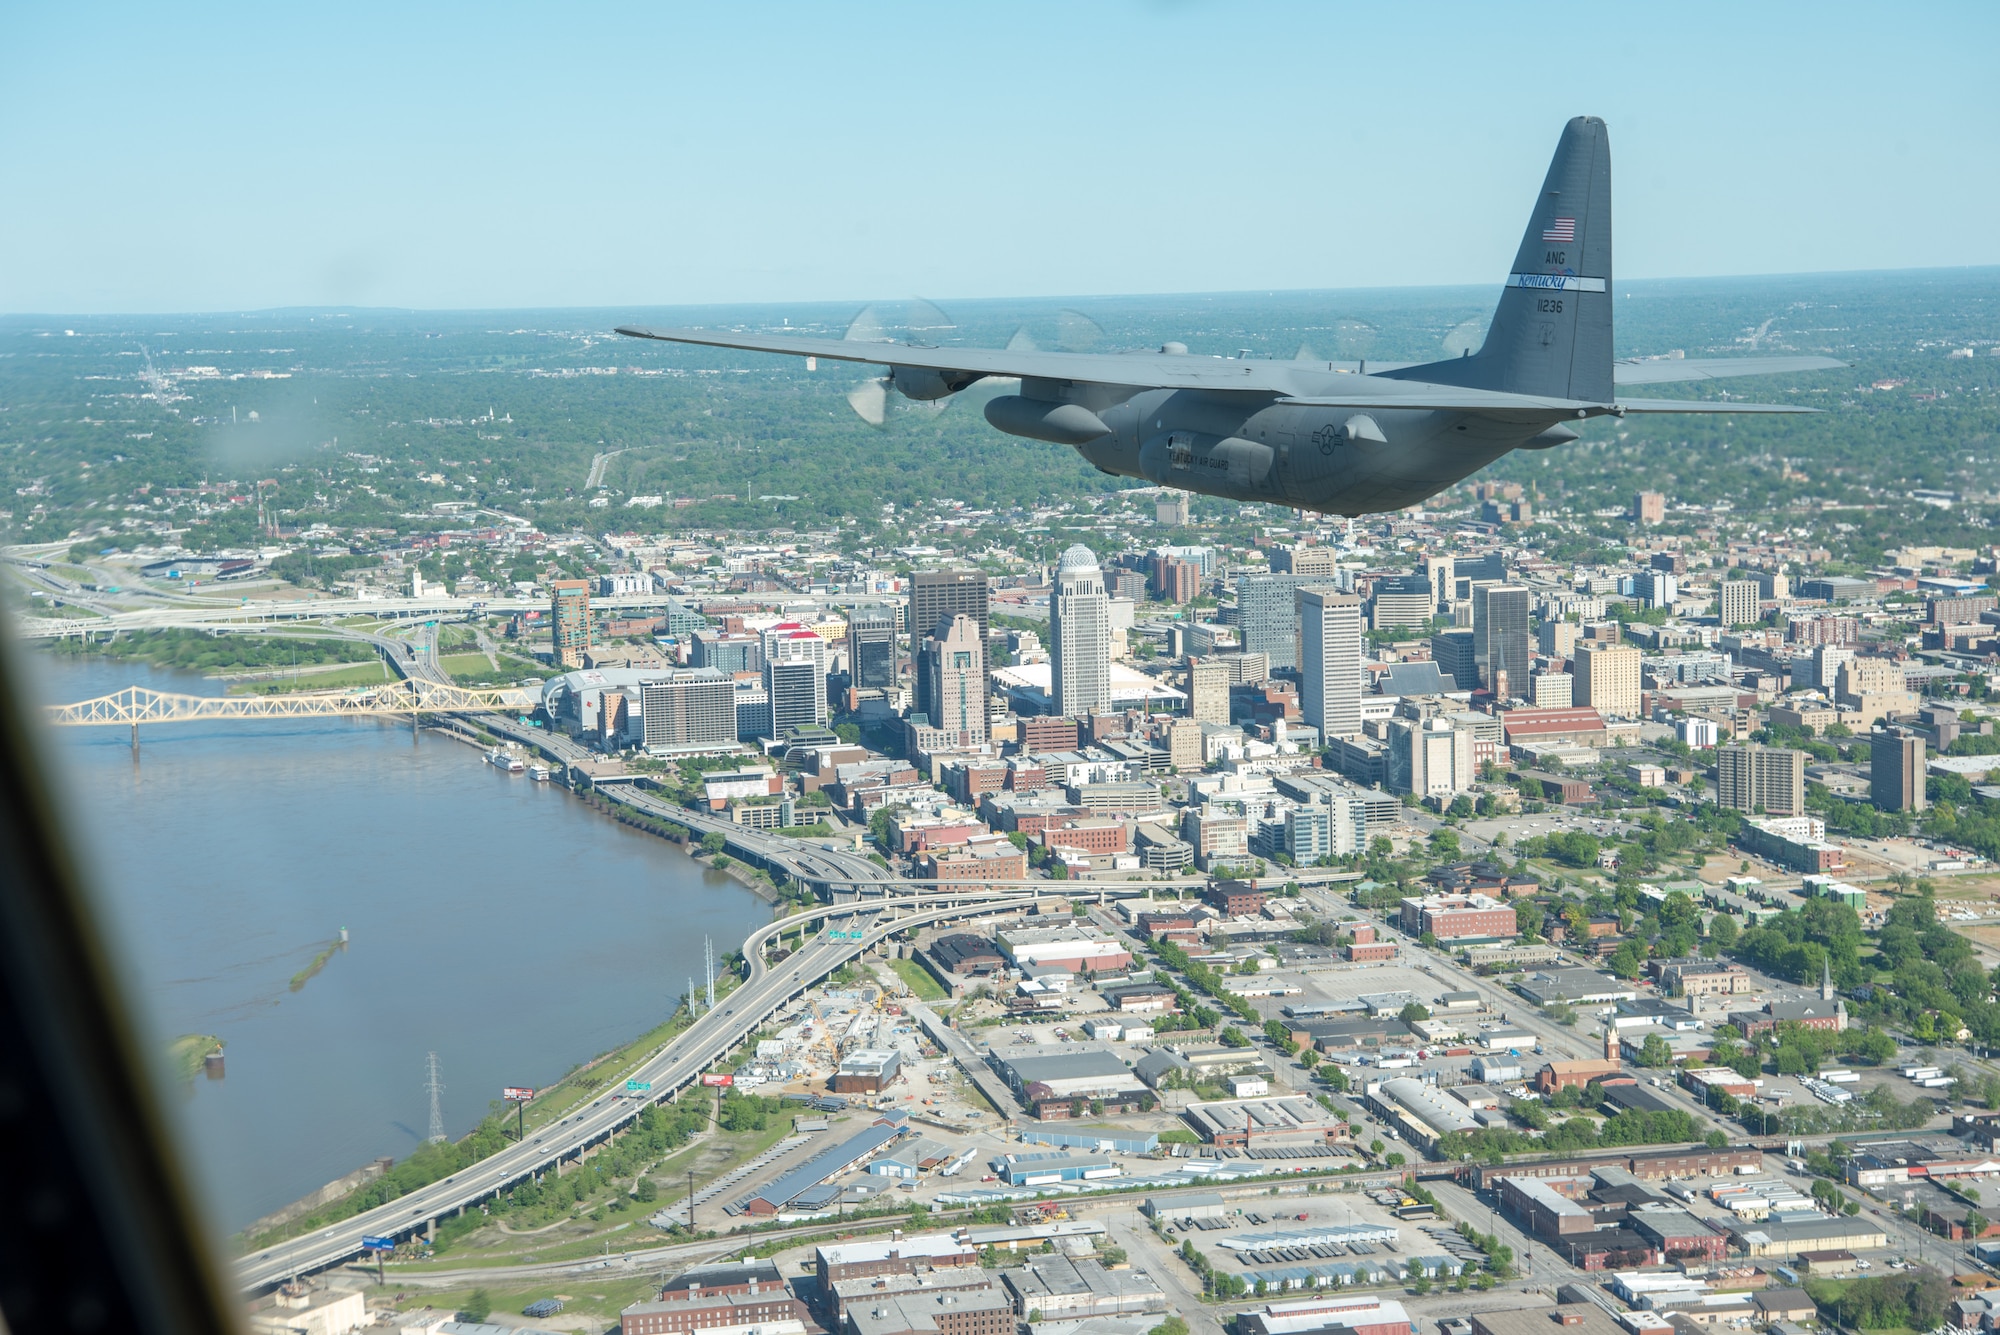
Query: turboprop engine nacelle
924	385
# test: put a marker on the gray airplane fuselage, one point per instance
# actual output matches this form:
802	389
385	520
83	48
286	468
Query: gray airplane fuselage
1326	436
1246	448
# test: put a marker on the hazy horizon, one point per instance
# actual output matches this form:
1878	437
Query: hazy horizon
461	157
856	302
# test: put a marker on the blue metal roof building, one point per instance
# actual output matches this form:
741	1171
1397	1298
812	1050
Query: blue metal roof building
828	1163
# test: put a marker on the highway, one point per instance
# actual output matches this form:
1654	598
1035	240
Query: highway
695	1050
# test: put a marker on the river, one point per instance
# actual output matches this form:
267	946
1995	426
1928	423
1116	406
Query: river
492	920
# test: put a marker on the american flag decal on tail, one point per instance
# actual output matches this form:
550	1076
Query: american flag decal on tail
1561	229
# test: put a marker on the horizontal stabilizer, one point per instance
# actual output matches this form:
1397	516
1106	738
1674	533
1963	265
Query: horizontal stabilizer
1707	406
1670	370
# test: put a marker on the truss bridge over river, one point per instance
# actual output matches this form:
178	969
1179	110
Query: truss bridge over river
136	704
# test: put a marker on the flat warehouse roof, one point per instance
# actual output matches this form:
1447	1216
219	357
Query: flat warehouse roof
1273	1114
1074	1064
1308	1237
825	1164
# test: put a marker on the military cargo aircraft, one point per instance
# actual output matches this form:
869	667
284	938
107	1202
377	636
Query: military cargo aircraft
1333	437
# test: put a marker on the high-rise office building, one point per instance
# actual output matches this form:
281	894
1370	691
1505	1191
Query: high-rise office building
728	651
1554	690
1737	601
1608	678
1267	617
1896	770
1452	650
1401	604
1175	579
1330	661
1556	639
1314	562
569	620
1770	777
693	709
1208	690
1656	588
871	647
1827	661
935	597
1772	584
1500	641
1428	757
1308	833
957	703
1649	507
1080	636
795	677
1440	577
796	692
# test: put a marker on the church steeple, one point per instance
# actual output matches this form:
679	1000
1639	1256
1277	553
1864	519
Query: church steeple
1826	979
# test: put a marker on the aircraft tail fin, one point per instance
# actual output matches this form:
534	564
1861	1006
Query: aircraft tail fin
1551	335
1552	332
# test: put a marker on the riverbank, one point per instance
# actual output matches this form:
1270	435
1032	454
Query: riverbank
505	929
753	879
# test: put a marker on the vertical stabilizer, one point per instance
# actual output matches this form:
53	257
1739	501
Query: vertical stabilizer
1551	334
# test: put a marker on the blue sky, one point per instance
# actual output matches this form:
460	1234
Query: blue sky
176	158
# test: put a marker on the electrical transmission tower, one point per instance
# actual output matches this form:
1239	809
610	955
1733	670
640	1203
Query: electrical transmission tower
694	999
708	960
435	1087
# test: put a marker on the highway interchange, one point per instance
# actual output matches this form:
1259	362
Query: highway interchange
697	1049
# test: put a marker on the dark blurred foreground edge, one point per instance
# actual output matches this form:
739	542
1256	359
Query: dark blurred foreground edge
97	1228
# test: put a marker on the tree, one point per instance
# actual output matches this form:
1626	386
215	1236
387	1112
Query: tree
478	1306
712	842
1173	1325
645	1191
1413	1013
1722	931
1528	917
1656	1052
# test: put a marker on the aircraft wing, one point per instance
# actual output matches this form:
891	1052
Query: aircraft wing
1304	383
1139	370
1668	370
1707	406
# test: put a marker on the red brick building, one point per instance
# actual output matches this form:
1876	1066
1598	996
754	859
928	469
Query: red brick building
980	862
1450	916
895	1254
677	1316
713	1281
1235	899
1097	836
1043	732
1175	927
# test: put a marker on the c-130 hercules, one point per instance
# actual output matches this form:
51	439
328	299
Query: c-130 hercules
1333	437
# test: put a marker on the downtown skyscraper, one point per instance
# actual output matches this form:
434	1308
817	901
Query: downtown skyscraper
1330	661
1080	636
